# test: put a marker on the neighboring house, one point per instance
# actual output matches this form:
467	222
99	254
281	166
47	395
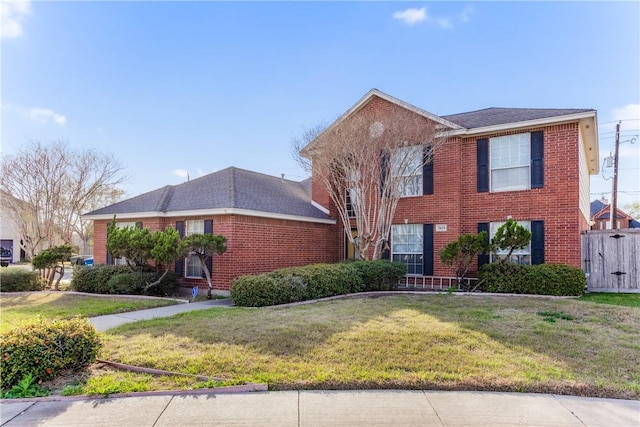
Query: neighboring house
10	235
269	223
532	165
601	214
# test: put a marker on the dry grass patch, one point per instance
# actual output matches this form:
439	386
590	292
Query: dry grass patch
431	341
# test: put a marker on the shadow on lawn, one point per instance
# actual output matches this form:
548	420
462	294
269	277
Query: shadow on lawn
600	342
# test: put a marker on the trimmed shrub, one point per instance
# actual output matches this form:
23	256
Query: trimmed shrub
543	279
296	284
94	279
262	290
379	275
18	280
46	348
134	283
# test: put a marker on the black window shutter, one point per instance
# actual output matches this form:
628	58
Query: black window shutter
179	267
537	159
384	166
483	258
427	249
386	252
208	229
537	242
427	173
109	257
482	157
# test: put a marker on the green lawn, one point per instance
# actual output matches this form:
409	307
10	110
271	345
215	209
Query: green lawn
626	300
18	309
408	341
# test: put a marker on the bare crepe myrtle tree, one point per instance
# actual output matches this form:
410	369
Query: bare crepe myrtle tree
377	157
49	186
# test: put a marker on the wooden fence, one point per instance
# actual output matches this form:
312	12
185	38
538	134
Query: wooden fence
610	259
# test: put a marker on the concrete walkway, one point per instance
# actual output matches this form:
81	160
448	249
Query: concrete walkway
102	323
326	408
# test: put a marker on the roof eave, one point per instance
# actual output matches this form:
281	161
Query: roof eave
211	212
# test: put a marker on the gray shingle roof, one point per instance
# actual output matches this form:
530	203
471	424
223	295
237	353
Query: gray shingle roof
230	188
501	116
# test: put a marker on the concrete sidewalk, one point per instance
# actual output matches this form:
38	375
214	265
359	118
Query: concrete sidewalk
102	323
326	408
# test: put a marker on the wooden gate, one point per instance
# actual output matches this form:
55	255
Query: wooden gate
610	260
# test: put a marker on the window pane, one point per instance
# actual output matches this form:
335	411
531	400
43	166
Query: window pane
406	167
194	268
194	227
406	246
510	179
510	161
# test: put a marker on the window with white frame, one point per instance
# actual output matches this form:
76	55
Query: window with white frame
193	268
406	246
510	160
519	256
406	169
123	224
349	197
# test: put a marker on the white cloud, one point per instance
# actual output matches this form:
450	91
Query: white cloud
411	16
629	114
181	173
466	13
45	115
12	12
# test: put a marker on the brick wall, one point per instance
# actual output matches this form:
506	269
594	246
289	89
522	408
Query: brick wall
254	245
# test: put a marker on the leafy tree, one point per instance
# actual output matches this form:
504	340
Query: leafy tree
633	210
204	246
461	254
510	236
51	261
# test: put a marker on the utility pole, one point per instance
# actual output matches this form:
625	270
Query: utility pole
614	193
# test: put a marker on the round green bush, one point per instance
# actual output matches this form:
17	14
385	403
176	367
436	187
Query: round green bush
45	348
380	274
18	280
133	283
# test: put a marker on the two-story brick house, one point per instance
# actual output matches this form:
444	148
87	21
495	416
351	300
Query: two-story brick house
532	165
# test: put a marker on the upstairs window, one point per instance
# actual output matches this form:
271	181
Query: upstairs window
510	160
406	169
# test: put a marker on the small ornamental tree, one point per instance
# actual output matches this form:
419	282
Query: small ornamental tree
51	261
461	254
204	246
509	237
139	246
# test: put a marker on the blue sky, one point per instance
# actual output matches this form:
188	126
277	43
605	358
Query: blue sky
174	87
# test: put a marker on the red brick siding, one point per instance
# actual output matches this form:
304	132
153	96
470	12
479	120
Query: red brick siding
254	245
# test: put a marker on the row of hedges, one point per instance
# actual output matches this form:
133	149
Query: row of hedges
315	281
118	279
542	279
46	348
18	280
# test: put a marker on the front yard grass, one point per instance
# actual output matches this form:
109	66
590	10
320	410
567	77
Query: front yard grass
626	300
443	342
17	309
